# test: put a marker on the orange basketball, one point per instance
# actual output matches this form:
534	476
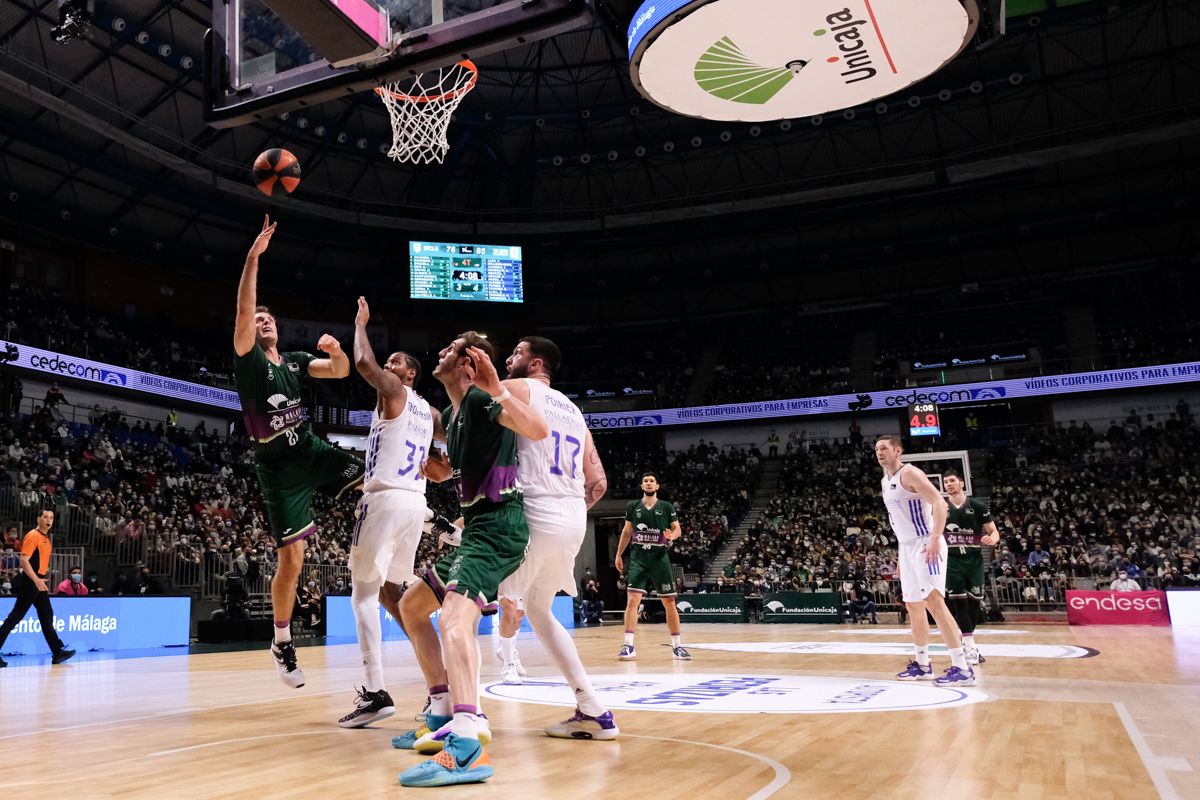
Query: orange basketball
276	171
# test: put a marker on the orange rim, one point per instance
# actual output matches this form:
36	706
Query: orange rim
466	64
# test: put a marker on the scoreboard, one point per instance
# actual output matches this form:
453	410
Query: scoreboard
486	272
923	420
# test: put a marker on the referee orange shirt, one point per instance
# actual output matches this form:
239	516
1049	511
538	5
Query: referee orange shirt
36	545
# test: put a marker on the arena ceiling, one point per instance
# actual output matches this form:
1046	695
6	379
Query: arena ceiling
1087	113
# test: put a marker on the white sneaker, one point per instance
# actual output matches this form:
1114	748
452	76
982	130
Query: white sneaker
510	674
520	667
972	655
284	656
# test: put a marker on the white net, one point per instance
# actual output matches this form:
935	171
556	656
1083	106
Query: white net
420	110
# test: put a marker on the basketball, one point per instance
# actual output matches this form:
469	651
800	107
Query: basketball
276	171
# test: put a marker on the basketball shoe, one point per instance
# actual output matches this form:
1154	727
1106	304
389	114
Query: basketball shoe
628	653
432	743
972	654
581	726
369	707
420	716
516	660
510	674
461	761
680	654
284	655
954	676
915	672
405	741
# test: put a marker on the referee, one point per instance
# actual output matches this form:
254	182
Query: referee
31	590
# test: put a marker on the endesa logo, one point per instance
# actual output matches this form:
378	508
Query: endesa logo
1118	603
76	369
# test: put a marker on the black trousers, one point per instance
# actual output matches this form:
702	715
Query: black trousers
27	595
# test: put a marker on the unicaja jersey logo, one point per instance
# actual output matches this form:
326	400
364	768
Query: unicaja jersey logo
726	72
856	59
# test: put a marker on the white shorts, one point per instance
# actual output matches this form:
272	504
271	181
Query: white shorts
386	534
917	578
556	530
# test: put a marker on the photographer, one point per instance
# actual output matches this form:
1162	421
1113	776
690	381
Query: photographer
591	604
235	601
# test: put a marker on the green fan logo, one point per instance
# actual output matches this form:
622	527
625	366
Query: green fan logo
724	71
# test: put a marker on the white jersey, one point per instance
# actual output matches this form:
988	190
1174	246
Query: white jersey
911	516
553	467
397	448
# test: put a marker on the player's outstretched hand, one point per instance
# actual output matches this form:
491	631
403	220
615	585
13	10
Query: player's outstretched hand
484	375
933	551
328	344
364	313
263	240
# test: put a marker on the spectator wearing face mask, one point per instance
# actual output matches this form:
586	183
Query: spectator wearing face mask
6	586
73	585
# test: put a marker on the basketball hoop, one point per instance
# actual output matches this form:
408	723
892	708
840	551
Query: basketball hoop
420	111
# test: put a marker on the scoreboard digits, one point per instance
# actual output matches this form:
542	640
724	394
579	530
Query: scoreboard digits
923	420
446	271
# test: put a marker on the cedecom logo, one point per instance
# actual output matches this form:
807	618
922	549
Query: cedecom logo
85	370
741	694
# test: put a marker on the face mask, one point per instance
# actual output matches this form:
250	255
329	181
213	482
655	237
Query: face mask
341	584
6	586
76	577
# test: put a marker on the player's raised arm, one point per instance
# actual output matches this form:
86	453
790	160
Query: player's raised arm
517	415
595	481
247	296
387	384
336	366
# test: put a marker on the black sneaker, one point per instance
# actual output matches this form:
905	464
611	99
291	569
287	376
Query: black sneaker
62	655
284	655
369	707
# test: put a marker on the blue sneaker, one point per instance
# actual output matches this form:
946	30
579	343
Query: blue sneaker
627	653
461	761
406	741
956	677
915	672
581	726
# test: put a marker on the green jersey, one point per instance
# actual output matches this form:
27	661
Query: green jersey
650	525
483	454
964	526
272	398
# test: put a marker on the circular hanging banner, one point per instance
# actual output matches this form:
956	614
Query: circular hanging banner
763	60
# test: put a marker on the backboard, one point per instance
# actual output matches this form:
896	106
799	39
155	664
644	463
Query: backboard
258	66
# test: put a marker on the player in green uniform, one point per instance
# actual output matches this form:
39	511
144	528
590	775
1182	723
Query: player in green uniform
969	527
651	525
290	460
481	423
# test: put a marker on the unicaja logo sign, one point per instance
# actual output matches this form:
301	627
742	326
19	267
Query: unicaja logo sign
857	61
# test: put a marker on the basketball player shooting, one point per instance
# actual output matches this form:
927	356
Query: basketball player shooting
918	516
291	462
391	513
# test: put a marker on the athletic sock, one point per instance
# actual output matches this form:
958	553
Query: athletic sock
364	599
968	639
922	656
561	647
283	631
466	722
508	649
957	658
439	700
629	638
675	640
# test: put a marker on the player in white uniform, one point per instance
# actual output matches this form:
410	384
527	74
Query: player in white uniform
391	513
918	516
562	477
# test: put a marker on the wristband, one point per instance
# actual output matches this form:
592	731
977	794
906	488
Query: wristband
505	395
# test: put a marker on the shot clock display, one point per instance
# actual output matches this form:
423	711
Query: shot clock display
923	420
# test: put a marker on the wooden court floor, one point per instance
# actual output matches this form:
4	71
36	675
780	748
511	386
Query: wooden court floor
782	711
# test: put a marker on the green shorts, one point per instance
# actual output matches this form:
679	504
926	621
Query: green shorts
964	571
493	547
650	571
288	484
